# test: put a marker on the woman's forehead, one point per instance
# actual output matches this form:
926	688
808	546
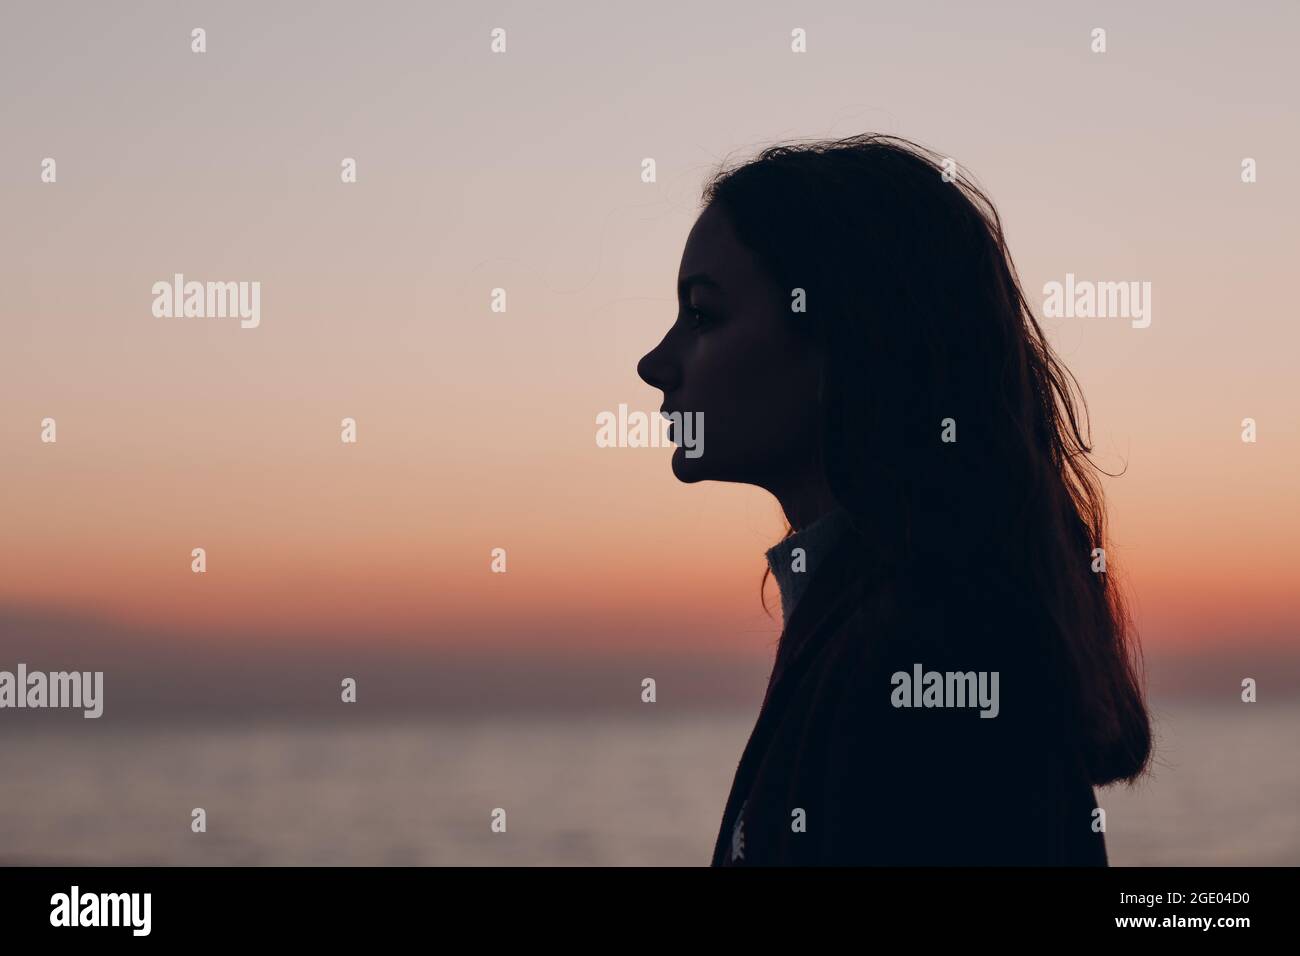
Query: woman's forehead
713	255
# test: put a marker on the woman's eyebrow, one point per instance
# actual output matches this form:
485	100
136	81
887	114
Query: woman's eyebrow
696	278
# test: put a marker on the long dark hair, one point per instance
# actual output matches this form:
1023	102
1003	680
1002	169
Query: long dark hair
911	292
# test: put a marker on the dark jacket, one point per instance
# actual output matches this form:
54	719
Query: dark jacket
836	773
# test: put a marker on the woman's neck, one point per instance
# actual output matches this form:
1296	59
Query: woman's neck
806	502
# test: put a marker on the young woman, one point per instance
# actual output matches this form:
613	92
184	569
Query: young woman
955	672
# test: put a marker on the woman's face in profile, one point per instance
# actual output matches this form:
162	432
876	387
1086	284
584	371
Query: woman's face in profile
735	357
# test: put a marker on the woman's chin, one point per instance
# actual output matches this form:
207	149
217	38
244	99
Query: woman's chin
685	469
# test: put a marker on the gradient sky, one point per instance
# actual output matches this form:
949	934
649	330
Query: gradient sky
476	429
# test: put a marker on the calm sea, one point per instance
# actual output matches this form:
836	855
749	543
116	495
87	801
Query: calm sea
630	790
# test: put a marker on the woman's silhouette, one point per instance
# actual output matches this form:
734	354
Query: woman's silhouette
955	672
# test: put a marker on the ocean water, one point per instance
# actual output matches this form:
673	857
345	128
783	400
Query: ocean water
593	790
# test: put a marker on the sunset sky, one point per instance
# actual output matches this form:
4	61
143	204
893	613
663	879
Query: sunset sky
476	429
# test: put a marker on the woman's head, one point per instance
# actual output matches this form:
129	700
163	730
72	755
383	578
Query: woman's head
852	330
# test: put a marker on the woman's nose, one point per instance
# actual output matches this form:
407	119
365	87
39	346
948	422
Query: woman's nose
657	368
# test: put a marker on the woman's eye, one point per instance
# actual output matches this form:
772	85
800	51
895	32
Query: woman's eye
697	318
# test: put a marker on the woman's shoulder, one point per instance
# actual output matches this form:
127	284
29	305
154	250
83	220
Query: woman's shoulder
937	651
939	736
951	610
